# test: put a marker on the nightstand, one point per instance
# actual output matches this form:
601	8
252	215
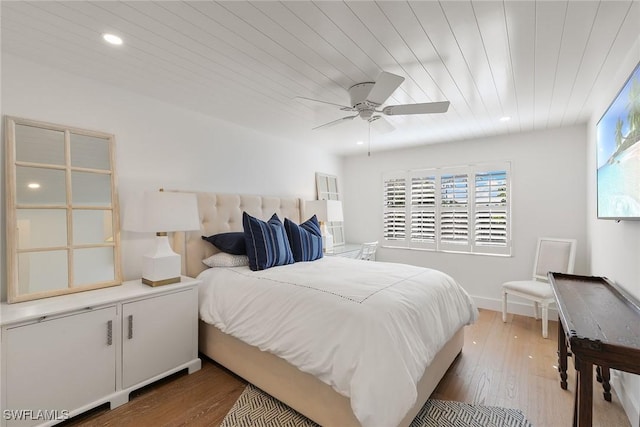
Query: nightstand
100	345
348	250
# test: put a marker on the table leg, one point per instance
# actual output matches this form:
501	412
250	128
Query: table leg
562	356
606	376
575	401
585	392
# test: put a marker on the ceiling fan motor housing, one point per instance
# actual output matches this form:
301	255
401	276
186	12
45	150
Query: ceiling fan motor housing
358	94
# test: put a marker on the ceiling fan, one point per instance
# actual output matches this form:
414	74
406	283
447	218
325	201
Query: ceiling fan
366	99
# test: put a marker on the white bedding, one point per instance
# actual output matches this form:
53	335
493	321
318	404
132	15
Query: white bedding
368	329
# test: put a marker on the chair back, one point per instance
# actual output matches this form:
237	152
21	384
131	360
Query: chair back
557	255
368	251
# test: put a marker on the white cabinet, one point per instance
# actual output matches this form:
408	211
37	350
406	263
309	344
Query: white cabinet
155	339
53	363
61	356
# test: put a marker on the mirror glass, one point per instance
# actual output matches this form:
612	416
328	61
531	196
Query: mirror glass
38	145
333	189
336	231
41	228
92	226
91	189
40	186
42	272
92	265
322	182
90	152
62	210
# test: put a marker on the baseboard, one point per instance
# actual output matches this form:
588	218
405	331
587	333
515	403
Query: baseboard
627	400
513	306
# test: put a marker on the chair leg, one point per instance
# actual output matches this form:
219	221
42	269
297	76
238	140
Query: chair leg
545	319
535	310
504	306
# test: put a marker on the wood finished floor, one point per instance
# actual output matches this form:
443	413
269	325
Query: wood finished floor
502	364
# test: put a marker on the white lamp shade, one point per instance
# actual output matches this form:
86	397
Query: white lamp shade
162	211
325	210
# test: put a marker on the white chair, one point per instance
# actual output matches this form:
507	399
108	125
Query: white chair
556	255
368	251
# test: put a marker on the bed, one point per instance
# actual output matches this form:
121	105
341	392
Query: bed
294	386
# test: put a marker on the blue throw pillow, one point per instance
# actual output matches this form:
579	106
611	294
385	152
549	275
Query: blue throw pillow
231	243
305	239
266	242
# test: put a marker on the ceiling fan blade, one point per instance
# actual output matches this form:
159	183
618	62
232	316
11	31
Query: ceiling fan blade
425	108
335	122
385	85
343	107
381	125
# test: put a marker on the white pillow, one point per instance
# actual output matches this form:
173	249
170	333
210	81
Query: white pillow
223	259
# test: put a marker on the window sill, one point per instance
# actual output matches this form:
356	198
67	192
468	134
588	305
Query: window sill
448	251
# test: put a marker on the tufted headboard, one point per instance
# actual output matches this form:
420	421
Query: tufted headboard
221	213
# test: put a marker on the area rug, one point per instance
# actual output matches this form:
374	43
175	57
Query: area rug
257	408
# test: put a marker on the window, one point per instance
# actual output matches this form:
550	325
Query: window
395	209
454	211
491	210
461	209
423	210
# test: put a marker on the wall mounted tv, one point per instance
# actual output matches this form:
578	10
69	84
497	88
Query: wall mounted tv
618	156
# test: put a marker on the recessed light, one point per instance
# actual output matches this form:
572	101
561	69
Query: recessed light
33	185
505	118
360	142
113	39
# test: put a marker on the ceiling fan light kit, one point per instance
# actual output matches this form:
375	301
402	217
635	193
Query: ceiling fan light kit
367	97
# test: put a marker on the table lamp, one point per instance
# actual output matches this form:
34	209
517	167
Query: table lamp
326	211
162	212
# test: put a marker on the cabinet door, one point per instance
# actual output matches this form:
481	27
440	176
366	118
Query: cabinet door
158	334
61	364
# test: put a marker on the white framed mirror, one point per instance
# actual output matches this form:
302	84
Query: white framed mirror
62	210
327	188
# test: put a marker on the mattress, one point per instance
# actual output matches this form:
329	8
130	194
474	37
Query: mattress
367	329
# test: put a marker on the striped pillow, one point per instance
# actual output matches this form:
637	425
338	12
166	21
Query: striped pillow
267	244
305	239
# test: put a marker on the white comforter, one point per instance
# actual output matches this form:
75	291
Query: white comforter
368	329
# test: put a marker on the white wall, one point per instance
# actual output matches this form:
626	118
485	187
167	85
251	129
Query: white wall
548	199
614	248
160	145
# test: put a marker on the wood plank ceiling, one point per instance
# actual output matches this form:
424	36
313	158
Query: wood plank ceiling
539	63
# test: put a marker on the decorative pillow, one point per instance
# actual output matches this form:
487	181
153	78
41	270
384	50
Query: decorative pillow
231	243
305	239
222	259
266	242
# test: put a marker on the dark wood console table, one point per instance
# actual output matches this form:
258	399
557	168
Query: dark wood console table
600	323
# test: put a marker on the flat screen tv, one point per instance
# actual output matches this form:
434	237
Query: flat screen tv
618	155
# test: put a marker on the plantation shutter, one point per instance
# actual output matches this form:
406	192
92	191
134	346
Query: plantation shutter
394	230
454	212
423	210
491	219
455	209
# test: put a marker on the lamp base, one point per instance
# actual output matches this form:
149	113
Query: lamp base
155	283
162	266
